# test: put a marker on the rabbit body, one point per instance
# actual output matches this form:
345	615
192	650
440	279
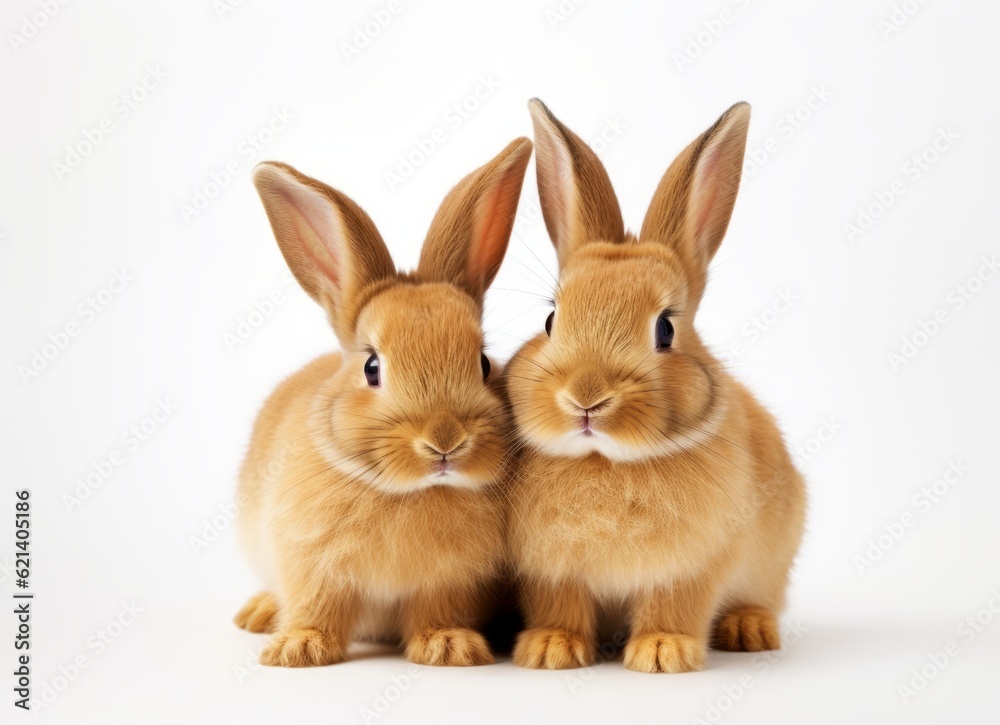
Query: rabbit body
373	502
655	505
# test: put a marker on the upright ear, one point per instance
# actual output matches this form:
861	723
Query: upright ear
694	201
329	243
578	203
468	237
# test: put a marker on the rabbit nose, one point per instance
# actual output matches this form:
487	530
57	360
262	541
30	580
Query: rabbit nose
445	435
587	393
593	407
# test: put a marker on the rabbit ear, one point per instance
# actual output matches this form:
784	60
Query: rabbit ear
694	201
578	203
468	237
329	243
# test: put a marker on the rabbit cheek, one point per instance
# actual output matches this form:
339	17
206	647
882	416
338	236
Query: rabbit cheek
686	395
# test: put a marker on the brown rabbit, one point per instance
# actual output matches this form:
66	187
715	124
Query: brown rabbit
372	510
655	497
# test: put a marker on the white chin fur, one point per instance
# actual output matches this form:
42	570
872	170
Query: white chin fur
362	472
577	445
454	479
574	444
451	478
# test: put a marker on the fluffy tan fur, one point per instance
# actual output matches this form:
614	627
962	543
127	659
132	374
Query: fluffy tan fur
655	497
374	512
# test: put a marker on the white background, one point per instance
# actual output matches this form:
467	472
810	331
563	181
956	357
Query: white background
612	68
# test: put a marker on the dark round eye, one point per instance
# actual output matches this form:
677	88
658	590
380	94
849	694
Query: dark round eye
548	323
485	361
664	332
371	370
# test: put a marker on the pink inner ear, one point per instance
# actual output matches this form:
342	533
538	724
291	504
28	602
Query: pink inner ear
555	183
314	218
704	190
495	212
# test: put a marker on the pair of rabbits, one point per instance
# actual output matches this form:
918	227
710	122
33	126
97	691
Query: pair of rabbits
614	473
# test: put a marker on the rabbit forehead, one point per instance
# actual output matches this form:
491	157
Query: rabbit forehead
430	322
626	279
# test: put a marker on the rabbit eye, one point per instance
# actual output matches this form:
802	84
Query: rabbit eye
372	370
548	323
664	332
485	362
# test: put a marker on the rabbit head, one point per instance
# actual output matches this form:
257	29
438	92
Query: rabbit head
413	403
621	371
